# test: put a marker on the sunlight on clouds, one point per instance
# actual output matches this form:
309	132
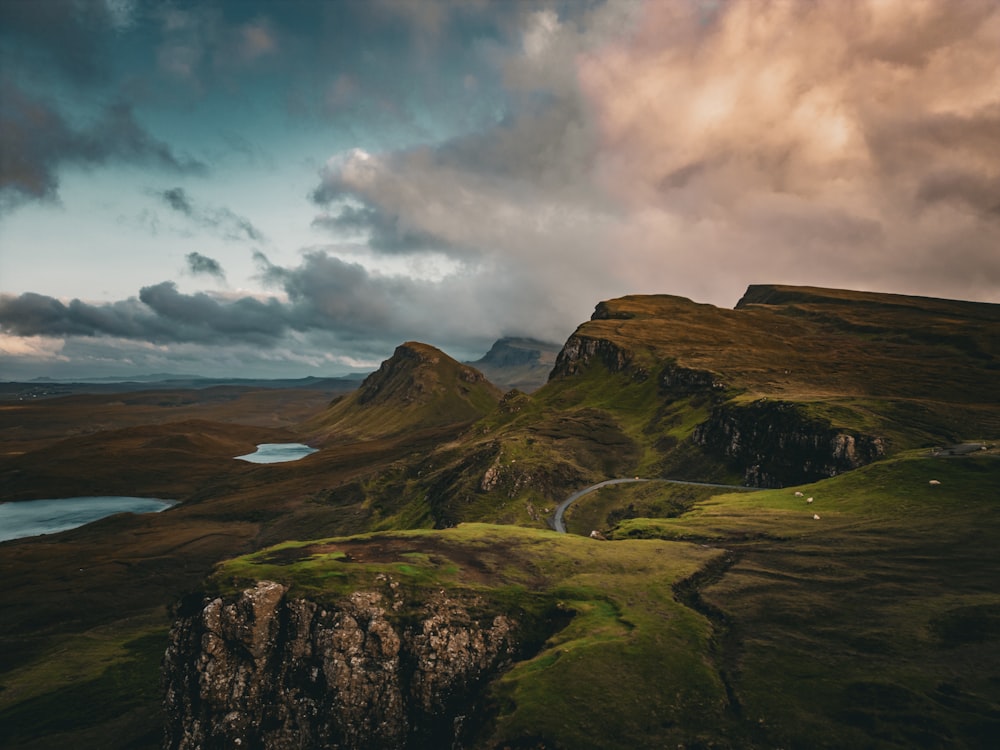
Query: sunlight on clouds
32	347
831	143
542	27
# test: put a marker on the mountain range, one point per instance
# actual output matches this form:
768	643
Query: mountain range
807	560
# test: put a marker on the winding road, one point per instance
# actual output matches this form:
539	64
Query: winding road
560	526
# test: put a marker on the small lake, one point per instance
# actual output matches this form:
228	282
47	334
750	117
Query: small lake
34	517
276	453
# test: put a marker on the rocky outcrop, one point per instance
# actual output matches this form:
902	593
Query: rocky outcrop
262	670
579	351
774	445
682	381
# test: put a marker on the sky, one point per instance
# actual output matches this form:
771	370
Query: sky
283	189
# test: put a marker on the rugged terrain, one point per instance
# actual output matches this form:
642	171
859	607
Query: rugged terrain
866	617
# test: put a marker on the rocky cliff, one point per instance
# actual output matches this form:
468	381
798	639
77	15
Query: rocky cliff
774	444
580	350
264	670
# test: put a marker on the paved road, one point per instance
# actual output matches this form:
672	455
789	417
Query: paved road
557	519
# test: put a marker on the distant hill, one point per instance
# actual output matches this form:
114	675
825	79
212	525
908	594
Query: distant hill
520	363
418	387
47	388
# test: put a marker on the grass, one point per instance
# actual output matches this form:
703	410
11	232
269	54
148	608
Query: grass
875	624
610	505
727	620
623	613
106	678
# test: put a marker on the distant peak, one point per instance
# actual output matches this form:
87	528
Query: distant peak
420	351
414	371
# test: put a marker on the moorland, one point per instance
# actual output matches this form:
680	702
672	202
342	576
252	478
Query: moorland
843	597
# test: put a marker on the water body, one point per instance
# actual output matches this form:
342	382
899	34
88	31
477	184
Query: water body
276	453
34	517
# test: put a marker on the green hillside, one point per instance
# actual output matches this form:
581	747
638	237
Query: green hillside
866	617
745	622
419	387
794	385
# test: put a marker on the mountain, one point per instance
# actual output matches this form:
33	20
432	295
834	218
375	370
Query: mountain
831	613
419	387
794	385
520	363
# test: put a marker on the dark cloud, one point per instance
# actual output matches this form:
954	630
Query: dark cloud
223	221
974	190
37	141
177	199
202	264
31	314
383	232
160	315
322	296
68	35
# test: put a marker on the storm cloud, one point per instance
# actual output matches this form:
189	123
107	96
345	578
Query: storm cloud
37	141
694	149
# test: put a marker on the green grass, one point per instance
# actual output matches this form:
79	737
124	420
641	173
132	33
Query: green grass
105	678
871	626
609	506
631	652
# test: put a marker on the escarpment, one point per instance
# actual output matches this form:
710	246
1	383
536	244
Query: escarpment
773	444
264	670
581	350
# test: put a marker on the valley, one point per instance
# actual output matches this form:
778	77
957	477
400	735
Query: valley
848	600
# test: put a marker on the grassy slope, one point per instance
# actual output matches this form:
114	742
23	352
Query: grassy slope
910	367
917	372
873	626
877	625
582	428
418	388
593	683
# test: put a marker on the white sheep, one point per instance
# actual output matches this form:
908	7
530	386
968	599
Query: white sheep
798	494
815	517
934	481
809	499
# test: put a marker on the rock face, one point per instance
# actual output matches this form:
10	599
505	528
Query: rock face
774	445
579	350
262	670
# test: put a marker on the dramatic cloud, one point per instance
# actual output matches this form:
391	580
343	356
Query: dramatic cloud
325	296
200	47
695	148
381	232
222	221
202	264
498	168
841	143
36	141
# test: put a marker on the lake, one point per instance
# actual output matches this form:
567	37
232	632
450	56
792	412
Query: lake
34	517
276	453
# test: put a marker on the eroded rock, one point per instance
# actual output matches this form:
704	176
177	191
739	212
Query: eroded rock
264	671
